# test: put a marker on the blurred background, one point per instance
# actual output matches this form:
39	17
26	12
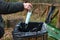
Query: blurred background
39	14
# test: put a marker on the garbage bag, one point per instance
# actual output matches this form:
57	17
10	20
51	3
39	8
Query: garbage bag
20	32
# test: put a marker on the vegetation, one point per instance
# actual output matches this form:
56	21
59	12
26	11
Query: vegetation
36	16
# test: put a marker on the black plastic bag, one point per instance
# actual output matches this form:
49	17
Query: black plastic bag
19	33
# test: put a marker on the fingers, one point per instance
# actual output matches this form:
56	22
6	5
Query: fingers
28	6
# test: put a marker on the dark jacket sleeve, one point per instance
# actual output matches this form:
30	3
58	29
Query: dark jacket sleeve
10	7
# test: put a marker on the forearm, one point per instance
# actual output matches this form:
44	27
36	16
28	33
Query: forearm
10	7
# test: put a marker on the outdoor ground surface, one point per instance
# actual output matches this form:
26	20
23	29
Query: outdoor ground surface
35	17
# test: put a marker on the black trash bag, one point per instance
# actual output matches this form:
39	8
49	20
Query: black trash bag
20	32
31	27
2	25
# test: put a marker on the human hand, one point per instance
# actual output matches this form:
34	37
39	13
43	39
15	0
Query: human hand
27	6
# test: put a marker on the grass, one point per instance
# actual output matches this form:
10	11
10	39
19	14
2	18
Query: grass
54	21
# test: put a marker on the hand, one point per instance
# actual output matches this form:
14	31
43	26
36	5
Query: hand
27	6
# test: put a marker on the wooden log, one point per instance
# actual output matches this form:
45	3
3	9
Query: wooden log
47	4
58	20
47	10
56	11
43	12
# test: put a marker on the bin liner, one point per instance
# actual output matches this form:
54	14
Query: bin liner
19	33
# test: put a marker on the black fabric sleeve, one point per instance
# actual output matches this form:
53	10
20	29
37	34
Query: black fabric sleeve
10	7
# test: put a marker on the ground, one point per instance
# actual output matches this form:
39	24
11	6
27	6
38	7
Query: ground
8	34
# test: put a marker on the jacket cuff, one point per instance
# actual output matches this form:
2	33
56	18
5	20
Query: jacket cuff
20	6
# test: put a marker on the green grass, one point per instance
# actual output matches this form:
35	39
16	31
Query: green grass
54	21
